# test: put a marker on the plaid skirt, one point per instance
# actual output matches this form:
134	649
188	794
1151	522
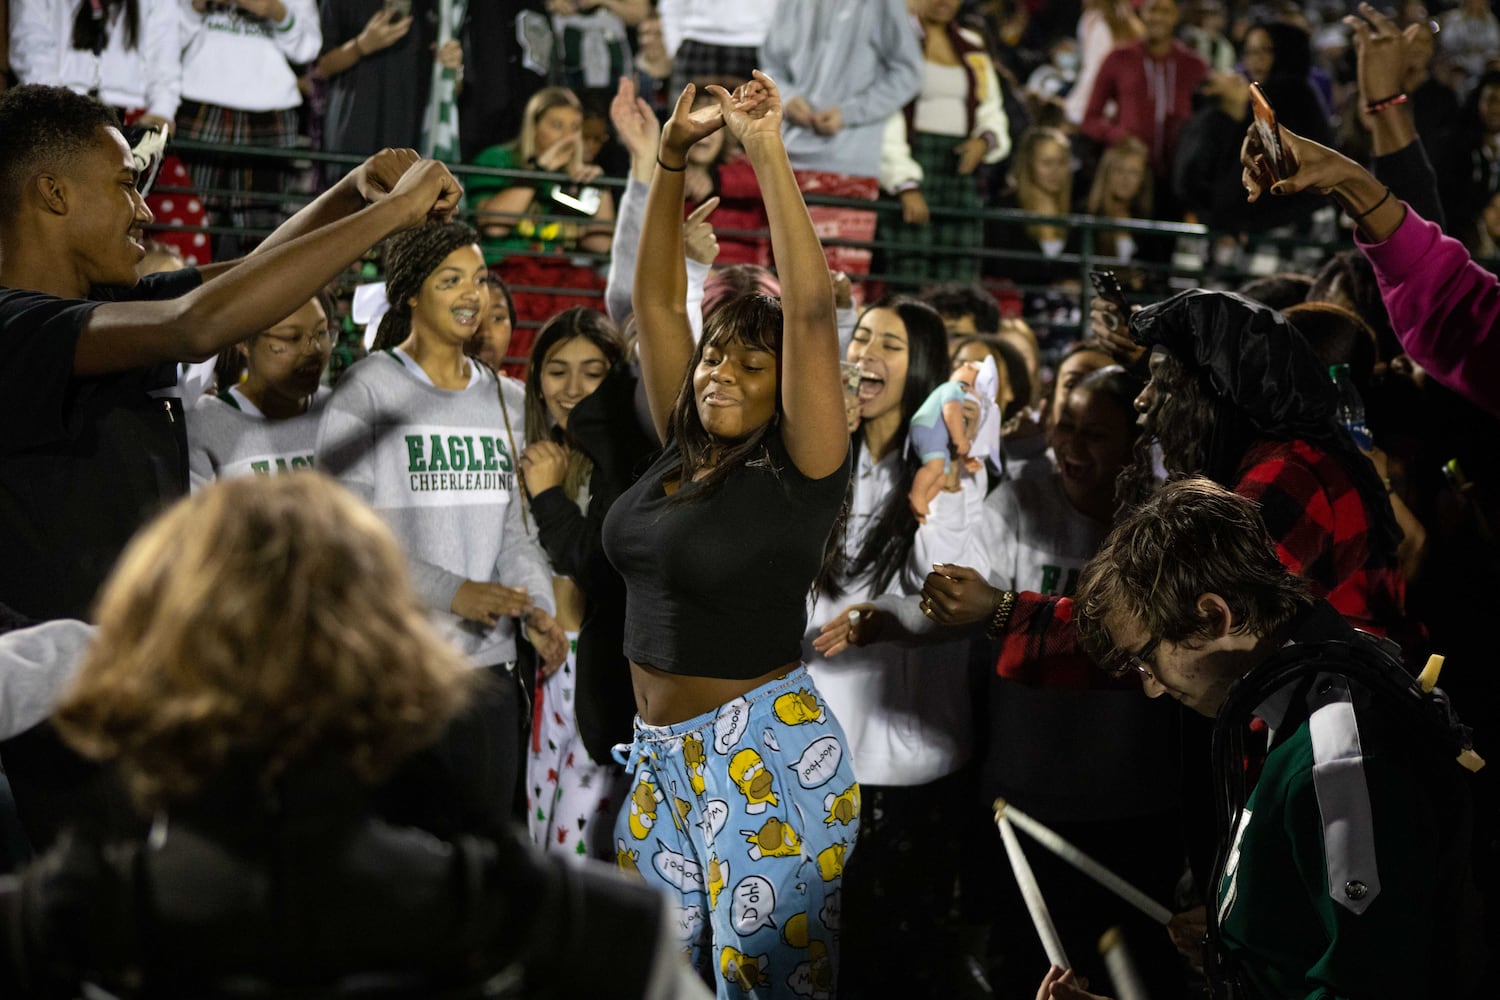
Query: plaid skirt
228	183
697	61
941	249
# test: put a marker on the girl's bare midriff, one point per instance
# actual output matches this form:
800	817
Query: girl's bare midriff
664	699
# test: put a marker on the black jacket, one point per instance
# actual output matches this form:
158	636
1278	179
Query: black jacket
604	425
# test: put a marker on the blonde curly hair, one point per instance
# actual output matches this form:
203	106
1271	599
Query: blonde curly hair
269	618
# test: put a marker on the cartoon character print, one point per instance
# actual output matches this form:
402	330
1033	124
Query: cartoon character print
696	759
774	839
843	807
745	971
718	877
643	799
814	977
831	861
626	860
748	771
796	708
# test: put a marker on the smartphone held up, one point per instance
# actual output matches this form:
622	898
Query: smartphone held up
1277	160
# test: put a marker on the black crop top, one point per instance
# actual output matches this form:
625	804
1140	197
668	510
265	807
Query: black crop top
718	587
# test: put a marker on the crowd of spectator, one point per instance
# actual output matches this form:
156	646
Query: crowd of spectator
676	389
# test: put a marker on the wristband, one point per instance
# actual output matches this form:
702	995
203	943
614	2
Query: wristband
1382	201
1005	603
1385	102
675	170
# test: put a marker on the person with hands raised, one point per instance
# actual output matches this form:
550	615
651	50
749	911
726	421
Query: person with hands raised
718	543
1444	308
640	132
91	348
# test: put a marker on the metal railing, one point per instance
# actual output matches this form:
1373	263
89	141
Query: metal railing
1068	267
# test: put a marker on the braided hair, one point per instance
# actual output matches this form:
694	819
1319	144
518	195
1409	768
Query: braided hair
410	257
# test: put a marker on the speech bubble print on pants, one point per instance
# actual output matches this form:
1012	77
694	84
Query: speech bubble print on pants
819	762
754	904
676	869
768	737
730	725
715	813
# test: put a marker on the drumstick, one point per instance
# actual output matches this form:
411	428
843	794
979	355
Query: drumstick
1122	970
1053	842
1032	894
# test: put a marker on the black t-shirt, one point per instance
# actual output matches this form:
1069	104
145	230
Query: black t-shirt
718	587
83	461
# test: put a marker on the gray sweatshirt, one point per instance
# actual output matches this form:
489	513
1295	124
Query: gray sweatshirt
860	56
439	468
228	436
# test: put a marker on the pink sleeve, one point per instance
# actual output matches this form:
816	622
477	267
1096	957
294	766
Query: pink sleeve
1443	307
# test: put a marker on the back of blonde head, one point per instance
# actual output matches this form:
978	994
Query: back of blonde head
265	617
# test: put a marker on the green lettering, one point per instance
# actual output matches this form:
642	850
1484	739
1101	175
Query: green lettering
261	468
281	464
490	465
1050	575
415	462
505	462
439	461
474	463
457	457
302	462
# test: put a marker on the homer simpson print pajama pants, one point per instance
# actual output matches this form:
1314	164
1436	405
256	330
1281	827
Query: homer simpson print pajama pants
744	816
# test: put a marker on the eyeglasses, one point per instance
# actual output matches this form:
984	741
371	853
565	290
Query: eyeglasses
1123	662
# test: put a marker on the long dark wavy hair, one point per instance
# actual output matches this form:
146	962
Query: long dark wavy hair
91	34
752	321
567	325
409	258
888	540
1186	408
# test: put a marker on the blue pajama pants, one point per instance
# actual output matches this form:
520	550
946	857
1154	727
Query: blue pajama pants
744	816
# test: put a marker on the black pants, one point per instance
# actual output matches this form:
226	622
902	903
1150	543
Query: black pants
470	779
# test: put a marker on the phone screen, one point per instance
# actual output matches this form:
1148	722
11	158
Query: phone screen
1265	128
1108	288
583	200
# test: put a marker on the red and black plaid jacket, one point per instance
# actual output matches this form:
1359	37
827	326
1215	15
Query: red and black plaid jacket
1321	529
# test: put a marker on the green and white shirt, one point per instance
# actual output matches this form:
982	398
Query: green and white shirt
229	436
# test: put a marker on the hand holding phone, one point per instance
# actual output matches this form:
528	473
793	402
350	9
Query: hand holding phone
1270	138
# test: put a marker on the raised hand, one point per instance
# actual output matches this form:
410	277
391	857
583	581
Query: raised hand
544	464
556	157
1313	166
634	122
1381	51
430	191
377	176
753	111
687	126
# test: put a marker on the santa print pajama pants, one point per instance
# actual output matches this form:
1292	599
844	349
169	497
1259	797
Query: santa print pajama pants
744	816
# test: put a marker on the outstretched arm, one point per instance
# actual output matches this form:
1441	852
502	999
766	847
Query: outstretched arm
813	427
260	290
660	294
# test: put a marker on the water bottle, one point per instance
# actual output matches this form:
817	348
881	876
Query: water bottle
1351	409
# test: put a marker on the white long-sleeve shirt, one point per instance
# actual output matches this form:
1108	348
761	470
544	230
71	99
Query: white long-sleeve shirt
148	76
239	61
906	711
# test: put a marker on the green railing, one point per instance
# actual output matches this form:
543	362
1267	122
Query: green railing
1067	267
